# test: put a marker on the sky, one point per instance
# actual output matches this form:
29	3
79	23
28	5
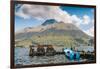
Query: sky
33	15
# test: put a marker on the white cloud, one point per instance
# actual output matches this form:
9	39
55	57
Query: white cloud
44	12
92	21
76	20
21	13
41	12
90	31
86	19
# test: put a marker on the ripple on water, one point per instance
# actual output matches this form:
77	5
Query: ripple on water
21	57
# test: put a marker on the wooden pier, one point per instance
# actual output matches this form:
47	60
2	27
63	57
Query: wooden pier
42	50
49	50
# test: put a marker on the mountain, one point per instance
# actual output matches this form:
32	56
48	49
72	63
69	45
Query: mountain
49	21
52	27
53	32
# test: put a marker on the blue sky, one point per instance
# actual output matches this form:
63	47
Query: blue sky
30	21
80	12
21	23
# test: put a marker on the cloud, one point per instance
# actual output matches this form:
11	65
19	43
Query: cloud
86	19
92	21
76	20
90	31
44	12
20	12
41	12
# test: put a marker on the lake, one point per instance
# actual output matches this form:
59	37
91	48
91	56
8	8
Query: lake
22	57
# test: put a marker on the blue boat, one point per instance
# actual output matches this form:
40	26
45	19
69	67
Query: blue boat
71	55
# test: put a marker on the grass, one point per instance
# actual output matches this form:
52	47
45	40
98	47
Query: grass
65	41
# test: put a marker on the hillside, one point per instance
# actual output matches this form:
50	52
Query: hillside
53	32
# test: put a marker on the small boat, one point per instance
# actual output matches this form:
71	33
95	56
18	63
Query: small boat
71	55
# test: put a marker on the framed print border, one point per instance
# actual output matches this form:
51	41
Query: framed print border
12	65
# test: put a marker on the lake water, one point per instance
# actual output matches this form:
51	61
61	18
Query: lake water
22	57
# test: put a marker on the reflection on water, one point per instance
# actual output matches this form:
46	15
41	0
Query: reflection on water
22	57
